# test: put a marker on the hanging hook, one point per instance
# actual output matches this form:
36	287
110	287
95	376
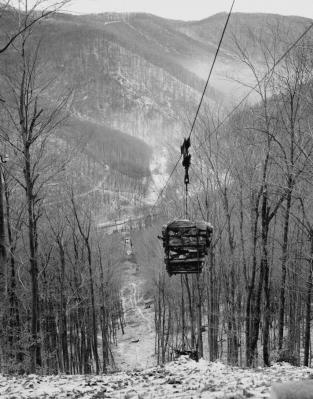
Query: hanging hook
186	158
186	164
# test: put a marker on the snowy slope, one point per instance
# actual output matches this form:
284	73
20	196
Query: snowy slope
135	347
181	379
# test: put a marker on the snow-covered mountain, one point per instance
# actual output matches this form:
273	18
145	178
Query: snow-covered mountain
142	76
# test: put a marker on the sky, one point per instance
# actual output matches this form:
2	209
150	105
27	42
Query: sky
193	9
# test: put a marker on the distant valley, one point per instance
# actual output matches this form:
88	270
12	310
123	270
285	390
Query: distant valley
136	79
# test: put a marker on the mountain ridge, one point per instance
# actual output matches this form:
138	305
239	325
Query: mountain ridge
143	75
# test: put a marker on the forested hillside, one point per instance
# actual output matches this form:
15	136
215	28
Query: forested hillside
252	179
93	110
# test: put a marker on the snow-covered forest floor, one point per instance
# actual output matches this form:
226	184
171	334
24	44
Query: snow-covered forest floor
183	378
135	345
137	379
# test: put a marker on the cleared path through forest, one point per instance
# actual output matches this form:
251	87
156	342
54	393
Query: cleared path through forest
135	348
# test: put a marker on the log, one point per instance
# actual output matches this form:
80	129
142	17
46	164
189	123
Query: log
186	244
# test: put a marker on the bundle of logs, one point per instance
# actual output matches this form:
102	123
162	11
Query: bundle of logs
186	244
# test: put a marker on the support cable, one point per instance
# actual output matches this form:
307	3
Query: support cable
305	32
264	77
187	157
211	69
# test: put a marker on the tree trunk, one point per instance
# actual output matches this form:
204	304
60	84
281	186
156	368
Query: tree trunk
232	339
283	270
32	236
213	309
307	336
256	319
250	305
63	317
199	341
14	312
93	308
182	314
2	241
265	268
103	318
191	314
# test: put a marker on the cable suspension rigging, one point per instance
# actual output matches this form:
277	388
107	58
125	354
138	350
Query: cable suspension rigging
305	32
186	144
211	69
237	106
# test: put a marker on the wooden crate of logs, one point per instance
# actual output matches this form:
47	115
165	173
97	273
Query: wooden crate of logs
186	243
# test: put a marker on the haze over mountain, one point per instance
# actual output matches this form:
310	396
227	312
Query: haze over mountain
142	76
139	73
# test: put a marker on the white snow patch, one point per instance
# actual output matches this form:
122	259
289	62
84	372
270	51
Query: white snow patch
158	168
183	378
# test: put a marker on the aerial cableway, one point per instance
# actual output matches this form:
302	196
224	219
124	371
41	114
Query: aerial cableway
186	242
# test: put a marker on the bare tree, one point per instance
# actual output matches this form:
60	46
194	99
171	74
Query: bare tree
27	14
32	122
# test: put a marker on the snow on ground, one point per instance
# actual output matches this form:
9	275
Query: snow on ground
183	378
159	175
135	348
137	379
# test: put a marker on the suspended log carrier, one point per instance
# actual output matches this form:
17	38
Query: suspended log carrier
186	244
